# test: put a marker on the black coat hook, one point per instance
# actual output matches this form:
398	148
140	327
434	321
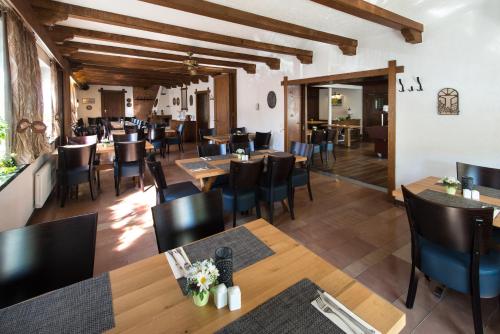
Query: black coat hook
402	86
420	88
411	89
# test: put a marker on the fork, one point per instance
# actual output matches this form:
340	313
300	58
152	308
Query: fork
325	308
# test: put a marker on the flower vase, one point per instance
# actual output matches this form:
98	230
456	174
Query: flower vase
201	299
451	190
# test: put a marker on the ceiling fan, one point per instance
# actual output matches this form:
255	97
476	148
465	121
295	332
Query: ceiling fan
192	64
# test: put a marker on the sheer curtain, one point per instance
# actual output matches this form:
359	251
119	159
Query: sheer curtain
56	122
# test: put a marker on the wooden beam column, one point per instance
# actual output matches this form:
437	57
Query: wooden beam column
391	155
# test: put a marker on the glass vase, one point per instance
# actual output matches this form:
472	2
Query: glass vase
201	299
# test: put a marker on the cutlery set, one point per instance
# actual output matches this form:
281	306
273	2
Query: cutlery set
180	261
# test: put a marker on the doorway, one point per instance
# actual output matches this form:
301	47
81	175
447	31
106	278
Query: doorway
203	109
297	104
112	103
224	103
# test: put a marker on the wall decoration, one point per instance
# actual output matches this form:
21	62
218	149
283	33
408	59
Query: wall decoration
173	101
178	101
448	102
155	103
129	99
129	104
337	99
271	100
88	100
184	101
190	100
88	107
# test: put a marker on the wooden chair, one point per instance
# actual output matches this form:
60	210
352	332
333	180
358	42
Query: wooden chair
129	162
454	246
242	130
328	142
126	137
210	150
81	140
177	139
301	176
237	142
317	140
174	227
483	176
262	140
45	257
205	132
75	166
157	138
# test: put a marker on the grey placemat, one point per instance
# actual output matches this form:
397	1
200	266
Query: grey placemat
452	200
84	307
487	191
247	249
219	157
288	312
197	165
225	167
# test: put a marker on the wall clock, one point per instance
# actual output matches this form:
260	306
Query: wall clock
448	102
271	99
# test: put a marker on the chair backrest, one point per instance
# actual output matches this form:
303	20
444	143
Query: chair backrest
81	140
279	168
330	135
156	134
132	151
92	120
175	227
242	129
158	177
76	156
130	129
80	122
126	137
210	150
205	132
317	137
244	175
262	140
483	176
243	138
302	149
450	227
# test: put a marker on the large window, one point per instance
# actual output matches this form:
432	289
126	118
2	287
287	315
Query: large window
47	97
4	96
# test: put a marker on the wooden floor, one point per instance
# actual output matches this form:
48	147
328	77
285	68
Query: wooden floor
358	162
353	227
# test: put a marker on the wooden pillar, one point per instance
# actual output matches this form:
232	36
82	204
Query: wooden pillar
66	103
285	107
391	158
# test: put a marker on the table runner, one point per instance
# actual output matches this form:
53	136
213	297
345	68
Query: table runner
84	307
198	165
486	191
452	200
247	249
288	312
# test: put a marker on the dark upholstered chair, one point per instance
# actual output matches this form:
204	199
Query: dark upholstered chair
454	246
210	150
177	139
81	140
276	184
318	138
237	142
242	130
75	166
483	176
262	140
205	132
126	137
241	138
45	257
174	228
157	138
242	192
168	193
129	162
329	142
301	176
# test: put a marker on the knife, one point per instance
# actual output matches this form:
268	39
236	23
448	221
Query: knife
180	261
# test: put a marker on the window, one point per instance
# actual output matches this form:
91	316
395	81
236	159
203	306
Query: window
4	96
47	96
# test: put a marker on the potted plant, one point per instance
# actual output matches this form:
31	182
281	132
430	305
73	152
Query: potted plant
451	184
201	278
3	130
240	152
8	165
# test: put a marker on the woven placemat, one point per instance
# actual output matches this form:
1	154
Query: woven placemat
452	200
84	307
247	249
197	165
288	312
486	191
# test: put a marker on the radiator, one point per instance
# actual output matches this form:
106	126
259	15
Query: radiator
45	180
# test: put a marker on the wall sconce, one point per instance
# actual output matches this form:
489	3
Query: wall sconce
385	108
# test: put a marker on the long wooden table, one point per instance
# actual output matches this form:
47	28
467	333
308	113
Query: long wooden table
224	139
348	132
208	176
168	132
431	183
102	148
147	298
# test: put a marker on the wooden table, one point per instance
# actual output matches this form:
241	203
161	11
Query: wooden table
147	298
102	148
348	129
431	183
224	139
207	177
119	125
168	132
313	122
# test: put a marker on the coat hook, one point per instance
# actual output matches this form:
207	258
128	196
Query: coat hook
402	86
419	85
411	89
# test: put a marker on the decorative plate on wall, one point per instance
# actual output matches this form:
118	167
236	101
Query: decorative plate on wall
190	100
271	99
129	99
129	105
173	101
88	107
155	103
178	101
448	102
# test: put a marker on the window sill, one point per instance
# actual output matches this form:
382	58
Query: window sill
6	179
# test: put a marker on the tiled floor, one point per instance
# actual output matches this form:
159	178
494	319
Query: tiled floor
355	228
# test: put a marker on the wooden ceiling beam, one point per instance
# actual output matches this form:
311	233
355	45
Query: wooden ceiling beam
411	30
220	12
62	33
249	68
100	16
131	71
138	74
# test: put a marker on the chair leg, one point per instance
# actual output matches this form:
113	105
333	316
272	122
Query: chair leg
271	209
412	289
64	193
91	186
117	185
476	306
321	154
141	180
290	203
168	149
235	209
334	155
98	180
309	188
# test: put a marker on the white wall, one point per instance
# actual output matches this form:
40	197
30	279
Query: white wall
93	92
352	98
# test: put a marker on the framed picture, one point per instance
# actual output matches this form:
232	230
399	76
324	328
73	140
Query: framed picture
336	101
88	100
184	98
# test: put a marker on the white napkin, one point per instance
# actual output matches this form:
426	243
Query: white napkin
178	272
339	319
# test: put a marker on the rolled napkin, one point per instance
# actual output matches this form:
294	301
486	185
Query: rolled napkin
177	259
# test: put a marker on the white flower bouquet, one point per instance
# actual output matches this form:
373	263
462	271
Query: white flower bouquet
451	184
201	277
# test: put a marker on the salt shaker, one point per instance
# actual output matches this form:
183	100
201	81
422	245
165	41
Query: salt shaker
467	193
475	195
234	298
220	296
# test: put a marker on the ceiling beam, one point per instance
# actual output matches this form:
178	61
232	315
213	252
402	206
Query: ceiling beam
62	33
249	68
229	14
132	72
95	15
411	30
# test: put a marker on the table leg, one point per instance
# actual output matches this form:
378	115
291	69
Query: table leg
206	183
348	137
337	134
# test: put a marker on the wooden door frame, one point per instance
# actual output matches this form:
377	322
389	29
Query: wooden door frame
102	91
390	71
207	93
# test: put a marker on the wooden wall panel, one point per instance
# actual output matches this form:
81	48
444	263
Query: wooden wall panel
144	99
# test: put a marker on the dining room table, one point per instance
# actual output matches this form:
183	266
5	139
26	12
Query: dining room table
432	189
145	297
168	132
206	169
225	139
348	132
115	125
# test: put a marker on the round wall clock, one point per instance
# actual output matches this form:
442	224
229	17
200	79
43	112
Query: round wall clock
190	100
271	99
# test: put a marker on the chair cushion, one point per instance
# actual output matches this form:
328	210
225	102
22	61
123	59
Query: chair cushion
246	199
299	177
221	181
280	193
172	140
178	190
452	268
157	144
129	169
77	175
